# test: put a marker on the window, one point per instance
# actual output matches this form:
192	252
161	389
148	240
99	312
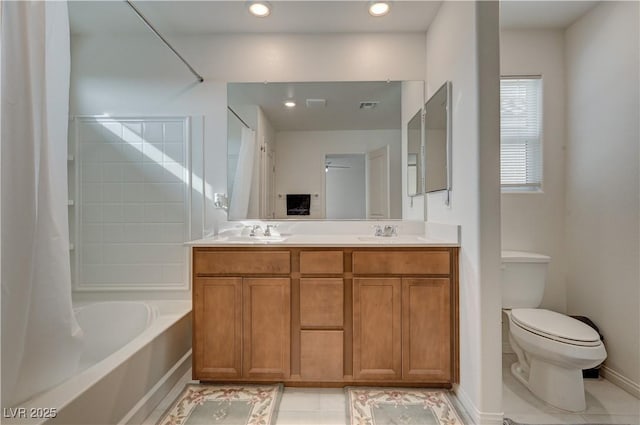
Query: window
520	134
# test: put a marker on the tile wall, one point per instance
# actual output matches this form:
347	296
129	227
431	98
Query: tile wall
131	209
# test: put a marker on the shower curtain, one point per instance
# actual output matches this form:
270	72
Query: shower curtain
41	341
239	207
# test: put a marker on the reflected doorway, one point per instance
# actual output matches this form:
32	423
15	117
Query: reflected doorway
345	186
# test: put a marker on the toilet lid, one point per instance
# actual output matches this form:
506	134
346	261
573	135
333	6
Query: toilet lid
555	326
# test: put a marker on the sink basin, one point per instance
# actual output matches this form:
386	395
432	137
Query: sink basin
392	239
254	239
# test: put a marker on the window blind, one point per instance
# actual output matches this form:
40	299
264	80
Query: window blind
520	133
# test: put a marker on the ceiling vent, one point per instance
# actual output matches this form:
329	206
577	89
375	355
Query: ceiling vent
316	103
368	104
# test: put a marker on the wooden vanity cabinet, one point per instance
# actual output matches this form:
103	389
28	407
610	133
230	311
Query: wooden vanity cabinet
266	327
217	330
242	323
403	324
377	347
330	316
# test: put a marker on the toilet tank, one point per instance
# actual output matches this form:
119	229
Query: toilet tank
523	278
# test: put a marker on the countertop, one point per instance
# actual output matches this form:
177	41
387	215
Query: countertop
312	240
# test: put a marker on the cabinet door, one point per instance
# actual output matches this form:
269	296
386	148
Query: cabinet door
426	329
217	315
376	328
267	331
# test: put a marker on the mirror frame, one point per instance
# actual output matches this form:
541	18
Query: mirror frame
447	85
420	184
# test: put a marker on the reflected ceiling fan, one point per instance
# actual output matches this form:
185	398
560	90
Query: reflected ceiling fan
328	165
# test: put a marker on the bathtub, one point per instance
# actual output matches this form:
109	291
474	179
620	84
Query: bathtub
133	354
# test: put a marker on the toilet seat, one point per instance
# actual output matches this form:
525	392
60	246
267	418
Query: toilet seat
555	326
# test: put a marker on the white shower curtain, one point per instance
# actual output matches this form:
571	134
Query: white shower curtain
41	341
239	207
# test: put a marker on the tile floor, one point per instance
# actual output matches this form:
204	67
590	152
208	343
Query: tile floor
606	404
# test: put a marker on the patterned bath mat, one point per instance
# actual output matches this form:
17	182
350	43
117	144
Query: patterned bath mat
508	421
400	406
201	404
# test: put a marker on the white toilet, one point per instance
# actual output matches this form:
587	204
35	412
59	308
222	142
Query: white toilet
552	348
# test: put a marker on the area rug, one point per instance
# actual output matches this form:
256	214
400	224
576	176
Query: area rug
399	406
201	404
508	421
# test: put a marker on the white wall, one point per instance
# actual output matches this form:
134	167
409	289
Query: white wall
138	75
535	221
300	163
462	46
412	101
602	180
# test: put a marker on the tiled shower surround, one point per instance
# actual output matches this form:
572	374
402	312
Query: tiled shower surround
132	181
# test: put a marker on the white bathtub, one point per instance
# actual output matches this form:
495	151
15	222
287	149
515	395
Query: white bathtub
134	352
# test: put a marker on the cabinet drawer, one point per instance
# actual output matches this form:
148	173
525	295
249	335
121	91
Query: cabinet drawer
321	302
321	355
241	262
401	262
321	262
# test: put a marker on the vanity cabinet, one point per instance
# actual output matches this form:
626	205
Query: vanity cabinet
328	316
241	323
377	349
266	328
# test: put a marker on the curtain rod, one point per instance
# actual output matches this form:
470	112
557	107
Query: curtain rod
238	116
155	31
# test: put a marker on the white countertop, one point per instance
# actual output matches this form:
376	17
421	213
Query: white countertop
324	240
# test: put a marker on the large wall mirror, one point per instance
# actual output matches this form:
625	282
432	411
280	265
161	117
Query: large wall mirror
315	150
437	125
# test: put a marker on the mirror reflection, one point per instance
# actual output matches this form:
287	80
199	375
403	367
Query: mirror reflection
414	165
436	140
318	150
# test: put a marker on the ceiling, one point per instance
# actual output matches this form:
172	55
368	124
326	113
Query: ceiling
527	14
342	110
175	17
290	16
211	17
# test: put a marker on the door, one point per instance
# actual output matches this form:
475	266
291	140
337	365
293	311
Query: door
376	328
217	317
378	205
266	322
267	181
426	329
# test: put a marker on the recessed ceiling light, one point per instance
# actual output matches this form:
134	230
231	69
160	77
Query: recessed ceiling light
260	9
379	8
290	103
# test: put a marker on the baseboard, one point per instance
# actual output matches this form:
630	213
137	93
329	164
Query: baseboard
145	406
621	381
476	416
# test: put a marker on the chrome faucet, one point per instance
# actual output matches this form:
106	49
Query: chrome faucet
386	231
390	230
267	231
254	229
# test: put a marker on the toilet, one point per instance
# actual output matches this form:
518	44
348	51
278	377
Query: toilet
552	348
